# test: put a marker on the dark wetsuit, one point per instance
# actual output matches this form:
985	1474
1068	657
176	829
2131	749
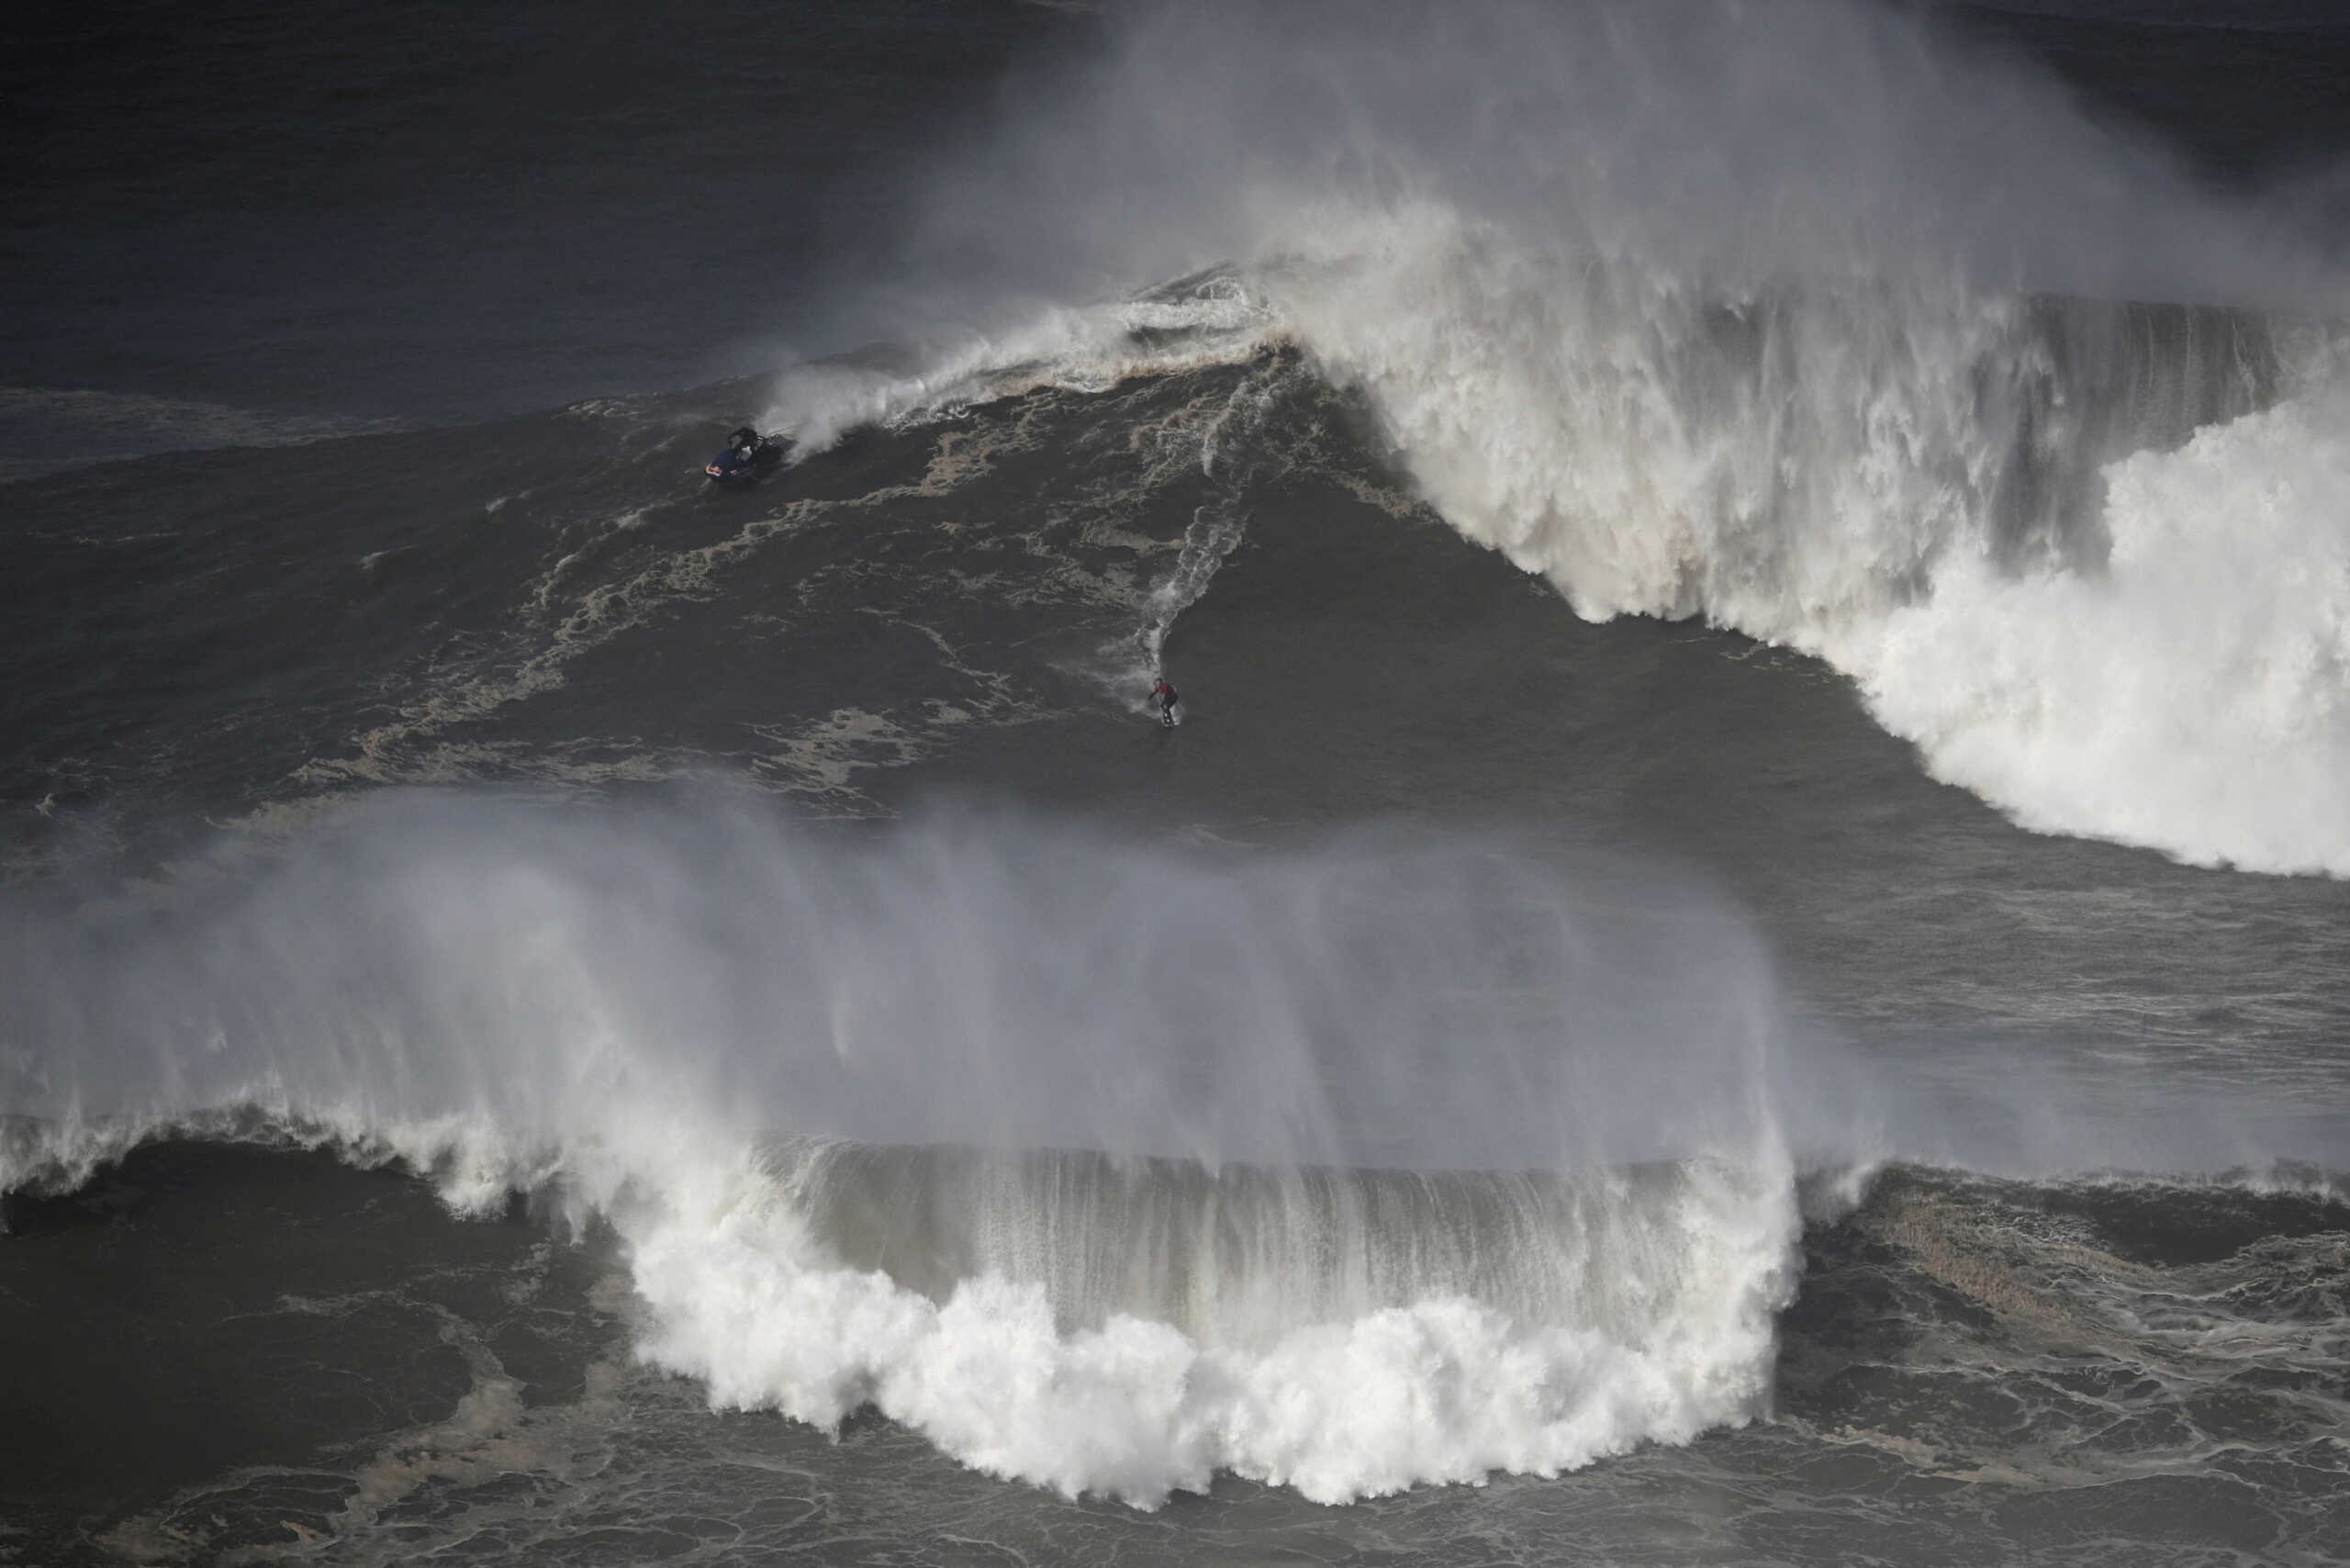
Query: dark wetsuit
1167	698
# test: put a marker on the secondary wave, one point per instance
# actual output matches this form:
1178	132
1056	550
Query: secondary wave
1109	1166
1131	1327
1274	1080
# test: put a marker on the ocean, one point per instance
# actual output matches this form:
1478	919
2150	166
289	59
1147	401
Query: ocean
1741	956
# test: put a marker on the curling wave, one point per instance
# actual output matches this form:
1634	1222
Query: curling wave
1132	1327
1084	1169
1989	513
1641	307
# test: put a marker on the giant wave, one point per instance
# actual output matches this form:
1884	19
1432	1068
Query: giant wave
1856	373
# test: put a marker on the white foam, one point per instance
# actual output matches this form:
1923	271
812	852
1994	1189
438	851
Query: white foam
1707	310
1442	1388
2195	694
2181	681
2190	692
619	1008
1208	320
1425	1160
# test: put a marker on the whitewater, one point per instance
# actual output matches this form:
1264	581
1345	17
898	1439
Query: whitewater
1861	376
1350	1167
1250	1135
1294	1261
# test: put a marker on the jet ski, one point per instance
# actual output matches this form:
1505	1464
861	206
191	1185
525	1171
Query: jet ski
749	457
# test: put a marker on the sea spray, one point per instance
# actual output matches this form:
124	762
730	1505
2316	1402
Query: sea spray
1350	1167
1979	509
1361	1348
2194	693
1862	371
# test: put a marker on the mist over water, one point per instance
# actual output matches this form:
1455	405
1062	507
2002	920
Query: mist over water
984	979
1821	322
1720	143
629	1010
1545	1012
1107	1166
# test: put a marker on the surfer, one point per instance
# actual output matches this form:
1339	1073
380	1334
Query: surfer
1164	696
748	457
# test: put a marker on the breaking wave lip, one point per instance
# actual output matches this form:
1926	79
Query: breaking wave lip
2128	622
1131	1327
1668	325
612	1010
1210	317
1349	1167
2098	622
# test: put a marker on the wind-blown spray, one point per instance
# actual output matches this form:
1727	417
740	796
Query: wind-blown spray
1809	319
1109	1166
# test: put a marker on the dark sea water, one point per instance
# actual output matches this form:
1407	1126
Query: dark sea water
1742	955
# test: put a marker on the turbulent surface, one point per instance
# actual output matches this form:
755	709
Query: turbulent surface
1961	1358
2110	1373
1740	958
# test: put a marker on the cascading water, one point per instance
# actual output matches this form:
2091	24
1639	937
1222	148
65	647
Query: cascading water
1899	378
1216	1276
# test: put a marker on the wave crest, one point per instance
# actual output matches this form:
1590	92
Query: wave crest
1806	321
1130	1328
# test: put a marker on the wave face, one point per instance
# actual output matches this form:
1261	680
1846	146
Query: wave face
1643	308
1978	509
1221	1271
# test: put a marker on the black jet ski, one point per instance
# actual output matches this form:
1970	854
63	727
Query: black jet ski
749	457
